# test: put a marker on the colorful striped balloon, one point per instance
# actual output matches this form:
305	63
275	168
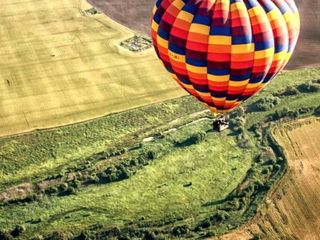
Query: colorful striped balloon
224	51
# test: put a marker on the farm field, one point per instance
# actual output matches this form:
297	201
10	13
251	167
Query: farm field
59	66
292	211
157	170
306	53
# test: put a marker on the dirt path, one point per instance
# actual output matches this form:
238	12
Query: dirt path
293	210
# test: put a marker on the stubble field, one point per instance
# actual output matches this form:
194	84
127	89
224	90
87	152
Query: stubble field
292	211
59	67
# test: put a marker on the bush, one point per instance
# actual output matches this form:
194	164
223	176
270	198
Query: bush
308	87
206	224
63	187
283	113
316	81
237	124
71	190
134	162
193	139
210	234
238	112
149	235
59	235
197	137
265	104
37	237
180	230
51	190
265	171
18	230
256	237
243	141
123	173
317	111
5	235
75	183
104	177
219	217
93	179
151	155
304	110
289	91
85	236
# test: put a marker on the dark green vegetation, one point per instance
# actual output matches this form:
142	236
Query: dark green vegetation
156	172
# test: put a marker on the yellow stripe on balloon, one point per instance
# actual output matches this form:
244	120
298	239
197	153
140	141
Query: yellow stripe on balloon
242	48
196	69
203	94
177	57
264	53
220	40
273	14
199	28
238	6
186	16
178	4
223	99
238	83
253	85
162	42
216	78
256	11
155	26
280	55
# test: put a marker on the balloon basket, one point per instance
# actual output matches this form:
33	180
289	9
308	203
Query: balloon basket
220	124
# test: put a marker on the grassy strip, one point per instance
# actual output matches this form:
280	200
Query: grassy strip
32	157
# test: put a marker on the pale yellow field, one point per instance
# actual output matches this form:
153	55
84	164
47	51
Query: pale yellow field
58	67
292	212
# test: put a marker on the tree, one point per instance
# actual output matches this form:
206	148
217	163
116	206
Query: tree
308	87
59	235
317	111
180	230
289	91
5	235
123	173
265	104
18	230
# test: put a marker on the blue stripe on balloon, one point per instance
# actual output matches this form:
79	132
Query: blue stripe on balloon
176	49
225	31
240	77
196	62
218	72
157	17
205	20
190	8
245	39
263	45
163	34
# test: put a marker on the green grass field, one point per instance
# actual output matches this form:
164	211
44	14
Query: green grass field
59	67
183	186
154	193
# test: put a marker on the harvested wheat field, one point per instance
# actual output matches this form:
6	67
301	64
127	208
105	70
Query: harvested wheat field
136	14
293	210
59	66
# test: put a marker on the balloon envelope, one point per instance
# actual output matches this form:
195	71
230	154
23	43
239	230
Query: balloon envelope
224	51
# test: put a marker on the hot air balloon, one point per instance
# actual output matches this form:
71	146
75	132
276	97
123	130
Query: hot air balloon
224	51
